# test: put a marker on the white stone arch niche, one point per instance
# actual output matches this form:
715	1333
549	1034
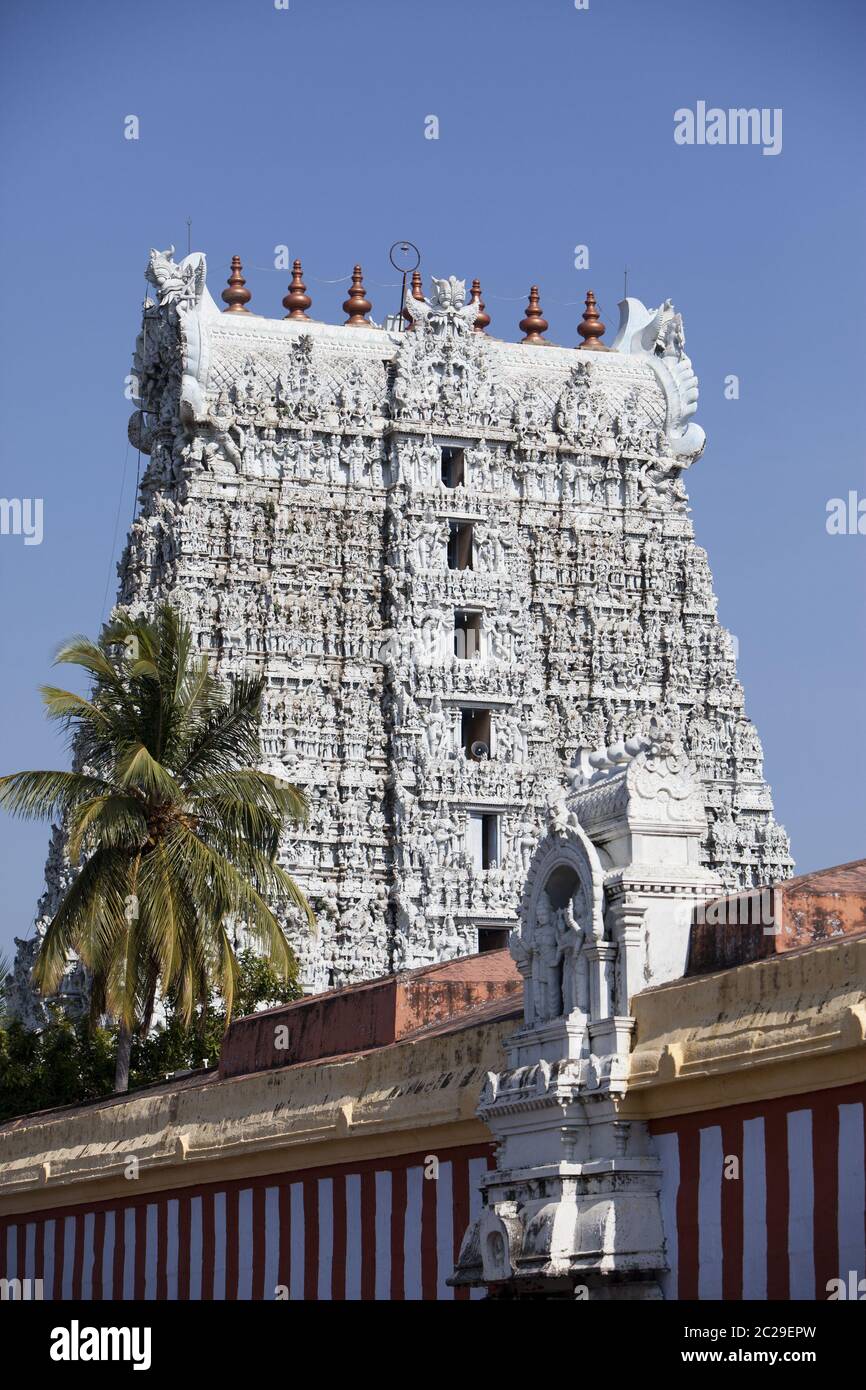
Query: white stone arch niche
561	928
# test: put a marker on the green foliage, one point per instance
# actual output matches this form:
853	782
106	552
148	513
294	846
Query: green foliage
174	828
66	1062
70	1063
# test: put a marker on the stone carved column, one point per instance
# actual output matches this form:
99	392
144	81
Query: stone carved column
601	957
626	924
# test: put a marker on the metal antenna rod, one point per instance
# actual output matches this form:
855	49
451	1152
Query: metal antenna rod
402	301
407	252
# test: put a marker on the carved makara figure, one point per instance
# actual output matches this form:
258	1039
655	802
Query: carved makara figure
670	334
659	336
180	285
446	311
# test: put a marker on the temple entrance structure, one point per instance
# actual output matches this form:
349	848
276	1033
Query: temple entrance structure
464	566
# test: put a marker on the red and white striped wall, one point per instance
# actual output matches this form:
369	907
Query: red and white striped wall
794	1217
372	1230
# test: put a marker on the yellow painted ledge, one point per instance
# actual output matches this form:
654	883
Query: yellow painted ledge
414	1096
777	1027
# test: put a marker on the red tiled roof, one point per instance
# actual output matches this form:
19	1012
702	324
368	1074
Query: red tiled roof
365	1016
762	922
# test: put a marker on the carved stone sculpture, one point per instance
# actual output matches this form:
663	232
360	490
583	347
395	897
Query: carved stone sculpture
297	504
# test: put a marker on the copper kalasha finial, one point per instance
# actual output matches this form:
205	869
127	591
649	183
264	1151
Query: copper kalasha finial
481	320
535	324
297	301
236	296
591	327
417	293
357	306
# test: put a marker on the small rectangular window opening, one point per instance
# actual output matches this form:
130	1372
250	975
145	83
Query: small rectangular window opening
482	836
460	545
467	634
452	466
492	938
476	734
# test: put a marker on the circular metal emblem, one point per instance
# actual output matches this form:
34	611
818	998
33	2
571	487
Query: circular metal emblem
405	257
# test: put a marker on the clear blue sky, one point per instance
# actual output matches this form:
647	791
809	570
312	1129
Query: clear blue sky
305	126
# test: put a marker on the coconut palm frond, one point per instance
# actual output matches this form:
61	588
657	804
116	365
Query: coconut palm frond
177	831
110	820
48	795
136	767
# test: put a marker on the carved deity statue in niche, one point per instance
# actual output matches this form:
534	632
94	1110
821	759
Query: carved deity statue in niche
547	964
571	936
436	728
552	959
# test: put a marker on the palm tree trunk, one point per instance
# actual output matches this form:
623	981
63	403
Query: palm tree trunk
147	1019
121	1066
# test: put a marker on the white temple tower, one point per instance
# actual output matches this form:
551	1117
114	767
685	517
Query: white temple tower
462	564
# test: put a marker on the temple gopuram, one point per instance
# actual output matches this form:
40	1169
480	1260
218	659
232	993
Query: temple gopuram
571	1030
463	565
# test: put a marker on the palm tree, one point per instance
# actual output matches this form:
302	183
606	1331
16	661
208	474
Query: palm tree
175	829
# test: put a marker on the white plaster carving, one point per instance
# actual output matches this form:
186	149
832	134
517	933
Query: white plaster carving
658	336
293	507
610	891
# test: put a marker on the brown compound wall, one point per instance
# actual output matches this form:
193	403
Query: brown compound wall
366	1016
770	921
